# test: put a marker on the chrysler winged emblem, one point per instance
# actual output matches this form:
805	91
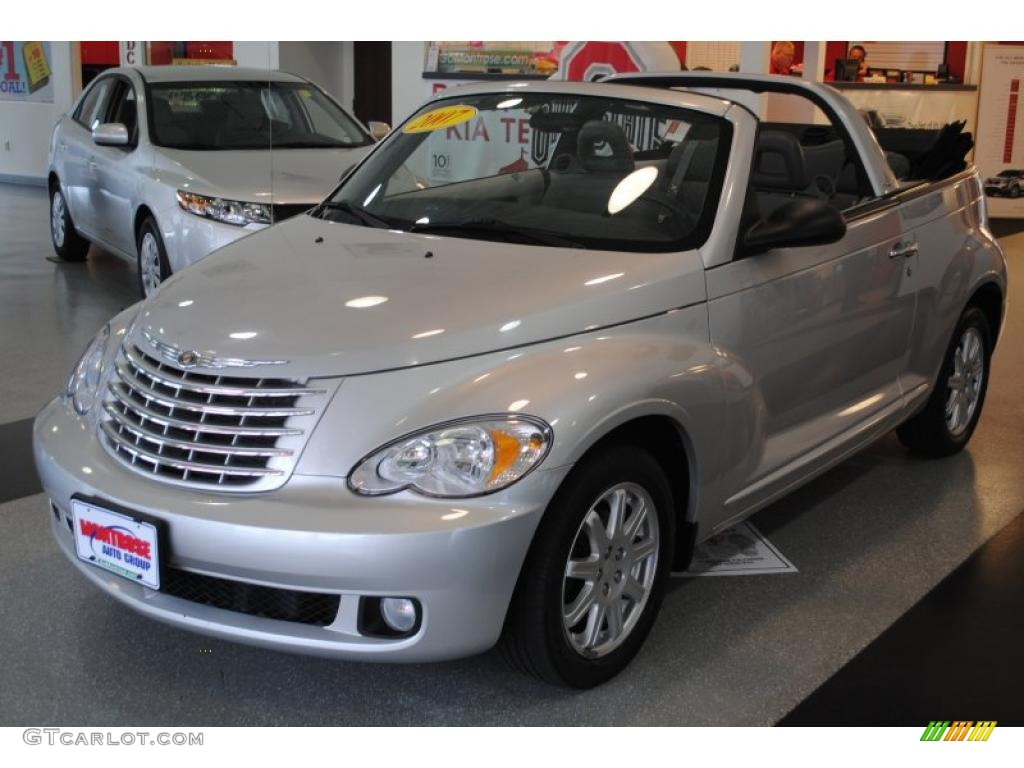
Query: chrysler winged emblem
188	359
192	358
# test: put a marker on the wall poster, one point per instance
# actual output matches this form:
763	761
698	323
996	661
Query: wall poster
25	71
999	148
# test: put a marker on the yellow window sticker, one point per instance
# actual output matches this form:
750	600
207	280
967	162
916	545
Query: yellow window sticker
442	117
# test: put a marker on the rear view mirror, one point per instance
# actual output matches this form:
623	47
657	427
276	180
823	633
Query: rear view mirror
801	222
110	135
378	129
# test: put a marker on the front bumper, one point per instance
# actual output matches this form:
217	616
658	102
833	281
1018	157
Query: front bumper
459	558
189	238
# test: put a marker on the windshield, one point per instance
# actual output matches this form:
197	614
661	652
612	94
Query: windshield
1008	174
545	169
249	115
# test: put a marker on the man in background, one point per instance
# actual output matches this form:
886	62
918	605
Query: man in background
783	54
857	52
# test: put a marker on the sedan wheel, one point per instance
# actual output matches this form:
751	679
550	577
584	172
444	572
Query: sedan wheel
149	259
67	243
153	266
57	219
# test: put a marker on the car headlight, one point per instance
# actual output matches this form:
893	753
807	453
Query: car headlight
469	457
83	386
228	211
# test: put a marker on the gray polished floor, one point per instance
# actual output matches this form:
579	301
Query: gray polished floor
869	539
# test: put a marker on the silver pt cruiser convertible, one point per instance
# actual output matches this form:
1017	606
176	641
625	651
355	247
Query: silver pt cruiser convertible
535	346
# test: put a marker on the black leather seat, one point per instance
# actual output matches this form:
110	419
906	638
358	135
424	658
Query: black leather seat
603	158
778	175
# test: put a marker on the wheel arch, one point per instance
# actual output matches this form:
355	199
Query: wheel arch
988	297
669	443
142	213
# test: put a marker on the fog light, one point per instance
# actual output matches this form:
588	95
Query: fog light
399	613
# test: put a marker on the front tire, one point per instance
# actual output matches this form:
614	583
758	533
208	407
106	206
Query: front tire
154	268
67	243
951	415
594	578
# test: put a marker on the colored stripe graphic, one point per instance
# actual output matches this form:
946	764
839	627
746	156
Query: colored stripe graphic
1011	121
960	730
935	730
982	730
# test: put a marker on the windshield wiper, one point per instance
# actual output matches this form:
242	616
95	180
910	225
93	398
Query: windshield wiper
492	227
363	216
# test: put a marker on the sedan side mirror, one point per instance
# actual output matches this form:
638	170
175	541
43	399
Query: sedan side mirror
801	222
110	135
378	129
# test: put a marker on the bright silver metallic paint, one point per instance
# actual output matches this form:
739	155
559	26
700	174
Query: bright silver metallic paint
771	368
108	187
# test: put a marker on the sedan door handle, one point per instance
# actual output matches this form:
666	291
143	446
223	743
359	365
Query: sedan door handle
903	251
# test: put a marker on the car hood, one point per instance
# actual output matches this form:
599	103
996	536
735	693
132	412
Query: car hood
284	176
306	294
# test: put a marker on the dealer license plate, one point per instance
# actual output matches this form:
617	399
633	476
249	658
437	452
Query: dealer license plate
116	542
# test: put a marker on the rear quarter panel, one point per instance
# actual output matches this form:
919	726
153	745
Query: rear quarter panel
957	255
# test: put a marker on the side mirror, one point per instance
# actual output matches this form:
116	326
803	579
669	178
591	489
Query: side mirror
110	135
804	221
378	129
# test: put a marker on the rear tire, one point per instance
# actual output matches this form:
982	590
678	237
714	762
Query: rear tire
591	588
67	243
154	268
951	415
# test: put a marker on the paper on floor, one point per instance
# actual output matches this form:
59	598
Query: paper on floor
738	551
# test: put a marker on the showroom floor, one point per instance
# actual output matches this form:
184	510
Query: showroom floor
906	605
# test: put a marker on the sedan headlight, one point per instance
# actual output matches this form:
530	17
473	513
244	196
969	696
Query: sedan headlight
228	211
83	386
469	457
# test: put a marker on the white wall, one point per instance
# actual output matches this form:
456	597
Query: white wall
328	64
408	88
25	127
255	53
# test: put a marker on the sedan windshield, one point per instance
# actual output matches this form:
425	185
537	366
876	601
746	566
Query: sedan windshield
545	169
249	115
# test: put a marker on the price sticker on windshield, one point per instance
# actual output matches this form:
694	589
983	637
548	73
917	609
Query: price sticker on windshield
442	117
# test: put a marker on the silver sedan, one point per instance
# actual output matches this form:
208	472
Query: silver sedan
166	164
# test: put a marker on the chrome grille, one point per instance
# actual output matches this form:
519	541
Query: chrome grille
205	430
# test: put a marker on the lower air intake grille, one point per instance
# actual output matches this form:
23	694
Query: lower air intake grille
267	602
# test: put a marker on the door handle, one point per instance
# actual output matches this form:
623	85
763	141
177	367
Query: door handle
903	251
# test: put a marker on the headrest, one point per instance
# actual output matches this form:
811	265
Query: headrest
779	162
603	147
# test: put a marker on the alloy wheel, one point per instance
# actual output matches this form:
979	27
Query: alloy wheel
965	383
149	264
611	570
57	218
